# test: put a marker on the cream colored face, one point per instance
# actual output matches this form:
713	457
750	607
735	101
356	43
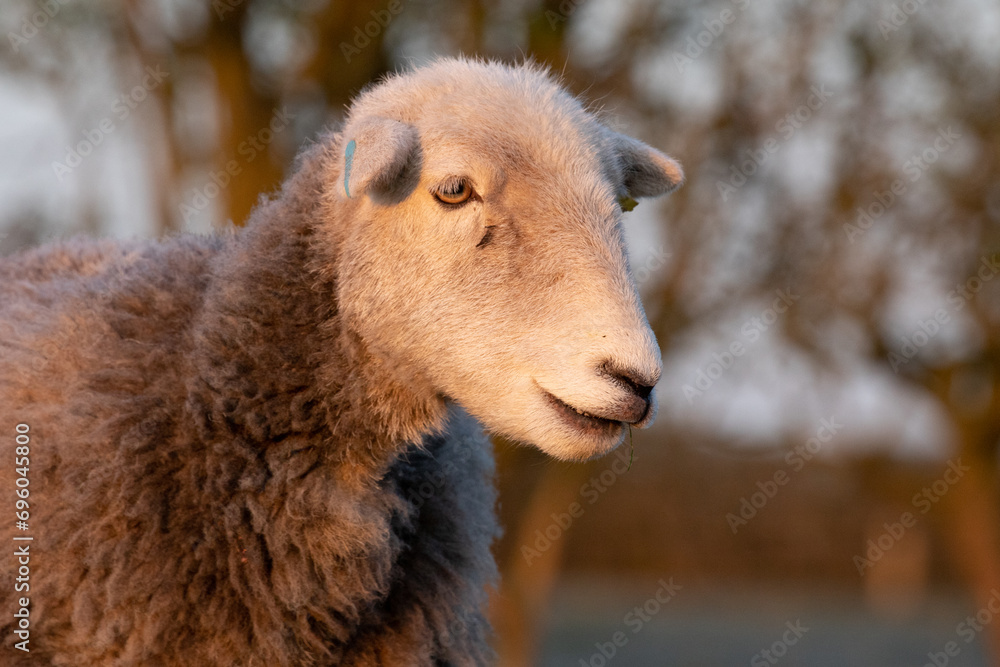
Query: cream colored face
495	271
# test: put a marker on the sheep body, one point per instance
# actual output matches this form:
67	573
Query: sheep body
243	451
296	565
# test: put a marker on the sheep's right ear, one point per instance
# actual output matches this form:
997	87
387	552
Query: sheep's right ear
376	154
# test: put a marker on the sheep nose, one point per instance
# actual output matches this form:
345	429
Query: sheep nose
640	386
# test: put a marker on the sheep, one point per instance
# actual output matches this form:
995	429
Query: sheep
266	446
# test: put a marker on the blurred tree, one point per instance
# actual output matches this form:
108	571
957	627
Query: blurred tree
254	65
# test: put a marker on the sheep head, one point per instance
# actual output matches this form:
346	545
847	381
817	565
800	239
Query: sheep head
484	256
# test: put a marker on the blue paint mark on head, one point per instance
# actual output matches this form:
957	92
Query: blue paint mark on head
349	157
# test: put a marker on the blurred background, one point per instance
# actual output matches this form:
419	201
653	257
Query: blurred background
821	485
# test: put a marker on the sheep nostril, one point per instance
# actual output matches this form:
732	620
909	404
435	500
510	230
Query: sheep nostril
635	382
641	390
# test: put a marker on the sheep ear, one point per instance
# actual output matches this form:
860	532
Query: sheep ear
376	154
646	172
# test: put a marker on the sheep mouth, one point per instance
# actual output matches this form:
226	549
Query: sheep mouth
583	421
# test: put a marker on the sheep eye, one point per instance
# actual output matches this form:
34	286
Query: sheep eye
454	193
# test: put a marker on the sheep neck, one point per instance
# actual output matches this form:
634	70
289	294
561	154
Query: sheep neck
273	297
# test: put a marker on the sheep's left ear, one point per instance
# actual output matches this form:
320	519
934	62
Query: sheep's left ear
376	153
646	172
